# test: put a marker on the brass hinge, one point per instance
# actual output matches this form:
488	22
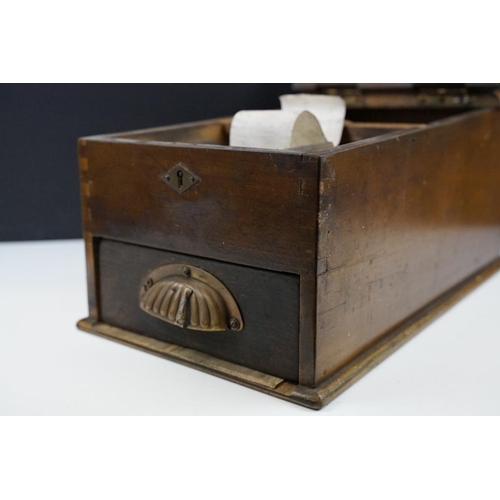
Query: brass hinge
459	96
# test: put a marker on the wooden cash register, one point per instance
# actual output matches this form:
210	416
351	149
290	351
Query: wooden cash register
296	271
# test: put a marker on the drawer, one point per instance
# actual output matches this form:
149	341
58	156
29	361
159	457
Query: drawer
267	340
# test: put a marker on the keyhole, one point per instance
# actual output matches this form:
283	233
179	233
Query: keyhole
179	179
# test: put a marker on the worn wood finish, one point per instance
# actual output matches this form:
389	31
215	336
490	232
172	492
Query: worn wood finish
402	219
403	115
87	235
358	131
244	199
234	213
348	251
205	132
313	398
269	301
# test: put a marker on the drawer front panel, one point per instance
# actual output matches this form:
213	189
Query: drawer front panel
268	302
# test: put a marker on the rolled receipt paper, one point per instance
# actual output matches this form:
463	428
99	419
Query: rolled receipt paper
304	119
275	129
328	109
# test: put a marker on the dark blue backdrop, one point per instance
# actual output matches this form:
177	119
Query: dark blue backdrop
40	123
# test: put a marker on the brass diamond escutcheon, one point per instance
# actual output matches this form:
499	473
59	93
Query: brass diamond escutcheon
180	178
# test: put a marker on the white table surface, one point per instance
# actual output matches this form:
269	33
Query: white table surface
48	367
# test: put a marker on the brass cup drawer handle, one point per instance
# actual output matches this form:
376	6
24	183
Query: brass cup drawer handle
188	297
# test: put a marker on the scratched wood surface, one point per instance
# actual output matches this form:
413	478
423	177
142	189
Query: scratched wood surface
250	207
373	230
402	219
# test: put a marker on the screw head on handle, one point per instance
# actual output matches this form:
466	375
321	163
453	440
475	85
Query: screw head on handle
234	324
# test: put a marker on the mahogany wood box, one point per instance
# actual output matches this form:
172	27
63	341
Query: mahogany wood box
293	272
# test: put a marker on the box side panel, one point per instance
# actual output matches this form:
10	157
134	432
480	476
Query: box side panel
249	207
401	221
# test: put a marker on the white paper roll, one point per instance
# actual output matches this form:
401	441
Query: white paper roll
328	109
275	129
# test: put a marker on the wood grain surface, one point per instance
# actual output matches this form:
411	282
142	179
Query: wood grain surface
249	207
402	219
337	247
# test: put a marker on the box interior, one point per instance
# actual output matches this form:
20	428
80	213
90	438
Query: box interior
361	123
